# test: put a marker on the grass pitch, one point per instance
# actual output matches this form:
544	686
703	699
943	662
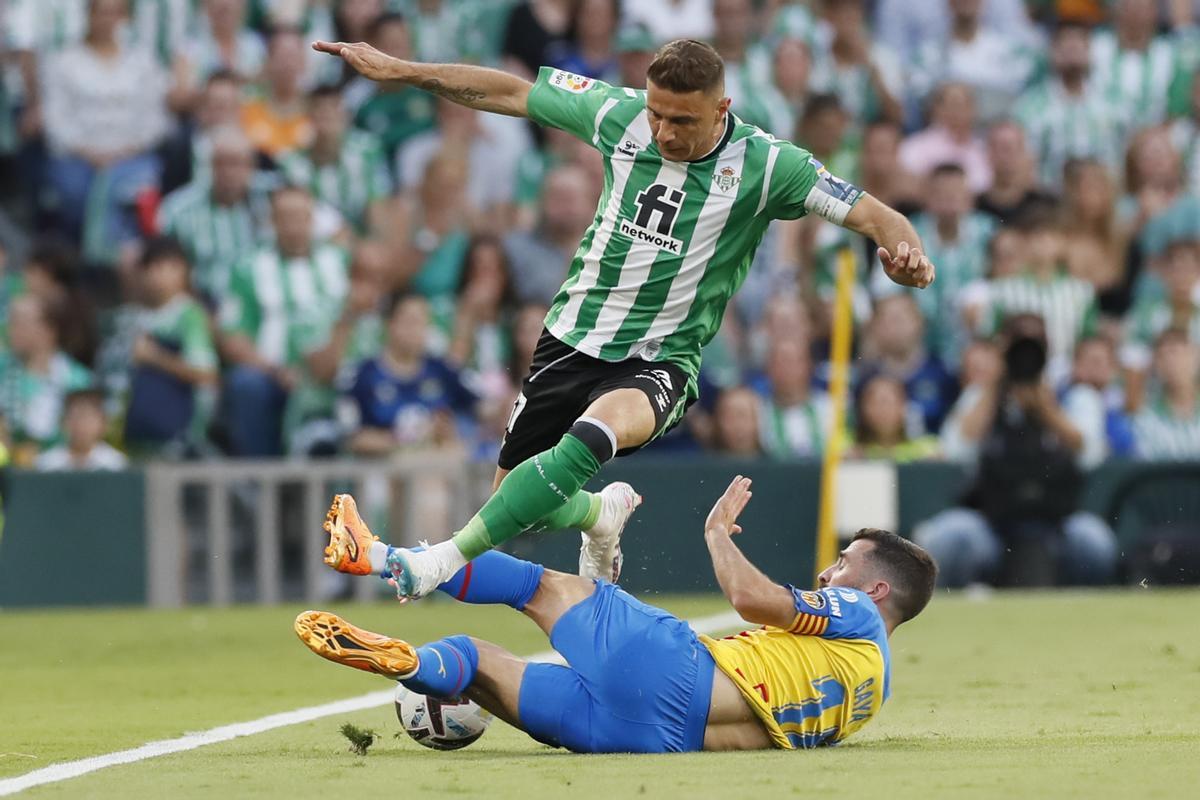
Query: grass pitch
1089	695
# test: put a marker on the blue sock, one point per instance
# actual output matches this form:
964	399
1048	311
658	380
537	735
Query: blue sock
446	669
495	578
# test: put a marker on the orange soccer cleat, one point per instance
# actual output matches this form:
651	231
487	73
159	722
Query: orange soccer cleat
350	539
331	637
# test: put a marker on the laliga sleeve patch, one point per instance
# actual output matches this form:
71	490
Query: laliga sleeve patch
570	82
831	198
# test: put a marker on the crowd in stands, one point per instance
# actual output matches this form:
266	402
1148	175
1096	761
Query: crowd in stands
215	241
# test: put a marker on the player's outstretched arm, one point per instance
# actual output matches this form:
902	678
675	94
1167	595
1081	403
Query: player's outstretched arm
899	246
475	87
754	596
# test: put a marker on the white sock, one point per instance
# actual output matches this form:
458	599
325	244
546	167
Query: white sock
378	555
449	558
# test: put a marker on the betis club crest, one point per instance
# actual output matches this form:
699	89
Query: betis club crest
726	179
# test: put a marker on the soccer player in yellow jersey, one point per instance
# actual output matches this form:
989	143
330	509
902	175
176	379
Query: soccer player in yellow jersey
640	680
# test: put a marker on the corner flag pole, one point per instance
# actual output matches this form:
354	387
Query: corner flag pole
843	332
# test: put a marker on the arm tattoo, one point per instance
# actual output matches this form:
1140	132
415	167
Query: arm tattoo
464	95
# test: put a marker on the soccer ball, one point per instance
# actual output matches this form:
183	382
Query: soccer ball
440	724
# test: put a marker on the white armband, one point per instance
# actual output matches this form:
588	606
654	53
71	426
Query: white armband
831	198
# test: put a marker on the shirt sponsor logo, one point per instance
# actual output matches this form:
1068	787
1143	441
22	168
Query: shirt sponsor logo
814	599
835	608
848	596
570	82
726	179
652	238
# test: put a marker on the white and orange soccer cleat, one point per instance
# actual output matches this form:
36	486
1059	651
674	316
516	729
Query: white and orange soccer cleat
600	554
331	637
350	539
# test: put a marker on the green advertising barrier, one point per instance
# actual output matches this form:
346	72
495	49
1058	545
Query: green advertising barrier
664	544
73	538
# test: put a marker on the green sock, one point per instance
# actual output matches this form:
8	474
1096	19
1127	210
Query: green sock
581	512
535	489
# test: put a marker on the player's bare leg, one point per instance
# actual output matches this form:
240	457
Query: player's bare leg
497	684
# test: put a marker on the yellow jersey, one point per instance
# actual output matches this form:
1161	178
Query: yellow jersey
821	679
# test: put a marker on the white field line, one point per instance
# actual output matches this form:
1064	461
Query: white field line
73	769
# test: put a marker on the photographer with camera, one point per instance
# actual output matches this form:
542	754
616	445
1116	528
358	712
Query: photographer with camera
1020	524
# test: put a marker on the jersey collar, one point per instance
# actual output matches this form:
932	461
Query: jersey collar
725	137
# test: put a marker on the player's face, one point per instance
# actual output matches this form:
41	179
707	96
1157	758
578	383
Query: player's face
683	125
852	569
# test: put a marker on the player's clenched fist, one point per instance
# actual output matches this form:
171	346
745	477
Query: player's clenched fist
909	267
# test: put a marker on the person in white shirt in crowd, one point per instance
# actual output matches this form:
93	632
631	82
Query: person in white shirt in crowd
84	423
906	26
105	112
671	19
995	63
223	43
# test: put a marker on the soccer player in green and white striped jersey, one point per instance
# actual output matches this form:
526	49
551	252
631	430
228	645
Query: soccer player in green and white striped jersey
344	168
689	191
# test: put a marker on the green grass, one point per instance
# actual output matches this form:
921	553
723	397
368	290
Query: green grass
1033	695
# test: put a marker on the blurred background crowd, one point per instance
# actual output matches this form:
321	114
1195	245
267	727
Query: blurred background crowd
217	242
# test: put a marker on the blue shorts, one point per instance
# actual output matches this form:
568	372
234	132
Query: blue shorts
638	680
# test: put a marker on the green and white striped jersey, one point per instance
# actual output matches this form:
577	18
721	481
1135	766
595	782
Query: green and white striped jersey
1162	435
1136	82
1148	318
1061	126
796	431
279	302
671	241
352	184
214	236
1185	136
1066	304
32	404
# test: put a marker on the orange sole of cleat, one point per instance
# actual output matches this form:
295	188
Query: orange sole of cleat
332	638
349	537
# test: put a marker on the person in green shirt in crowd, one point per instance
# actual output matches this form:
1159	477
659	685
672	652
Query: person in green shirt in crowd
392	111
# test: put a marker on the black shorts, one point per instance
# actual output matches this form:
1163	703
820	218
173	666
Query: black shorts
563	382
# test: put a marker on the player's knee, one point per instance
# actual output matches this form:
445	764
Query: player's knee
597	436
627	412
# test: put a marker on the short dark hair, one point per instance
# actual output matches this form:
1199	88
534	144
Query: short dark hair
948	168
687	65
87	396
163	248
399	298
325	91
910	570
375	29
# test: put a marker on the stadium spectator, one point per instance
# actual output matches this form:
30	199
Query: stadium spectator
277	296
437	230
1168	428
1185	136
949	139
671	19
276	117
827	132
52	272
393	112
352	21
168	390
1045	289
635	48
1133	65
895	346
218	221
592	36
1066	114
791	70
493	145
736	429
539	257
865	75
747	67
405	398
84	424
881	429
956	238
1022	524
35	376
1014	192
795	417
1178	307
105	112
880	172
344	168
905	26
187	155
536	35
970	54
332	351
222	43
1153	183
1097	242
1095	370
479	340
